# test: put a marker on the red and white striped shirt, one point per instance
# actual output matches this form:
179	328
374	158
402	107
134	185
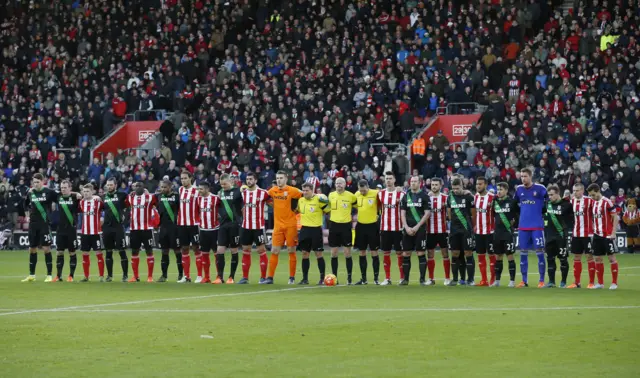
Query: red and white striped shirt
253	211
484	221
438	219
187	215
141	210
602	223
582	217
90	210
313	181
208	209
390	205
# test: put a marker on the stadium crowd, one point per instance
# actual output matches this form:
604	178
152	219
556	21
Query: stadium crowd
316	87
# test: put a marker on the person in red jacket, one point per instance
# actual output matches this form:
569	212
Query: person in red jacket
119	107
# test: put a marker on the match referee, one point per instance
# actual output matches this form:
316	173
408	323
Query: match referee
367	230
340	235
311	208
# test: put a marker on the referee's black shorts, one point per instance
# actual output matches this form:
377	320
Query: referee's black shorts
367	236
340	235
310	239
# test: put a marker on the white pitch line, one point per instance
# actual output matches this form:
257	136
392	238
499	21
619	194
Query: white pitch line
461	309
146	301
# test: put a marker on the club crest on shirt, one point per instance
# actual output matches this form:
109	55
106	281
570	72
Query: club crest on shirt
312	209
535	193
370	201
344	205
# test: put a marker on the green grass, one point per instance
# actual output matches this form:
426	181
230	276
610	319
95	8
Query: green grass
153	330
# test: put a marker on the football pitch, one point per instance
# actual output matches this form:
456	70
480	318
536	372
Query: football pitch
155	330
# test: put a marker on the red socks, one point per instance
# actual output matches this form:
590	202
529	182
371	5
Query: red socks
135	263
206	265
386	262
100	258
614	273
492	268
591	265
431	265
264	263
246	264
600	272
199	263
151	261
186	264
86	263
447	267
400	267
577	271
482	265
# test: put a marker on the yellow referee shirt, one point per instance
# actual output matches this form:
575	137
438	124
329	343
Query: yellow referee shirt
367	207
312	211
341	205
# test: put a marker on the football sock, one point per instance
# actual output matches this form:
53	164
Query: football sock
431	265
591	266
454	268
321	267
305	268
363	267
386	262
109	263
512	270
151	262
246	264
542	268
73	262
179	263
273	264
186	264
406	267
221	262
264	262
551	261
164	264
33	261
234	264
462	267
577	271
135	265
86	263
334	265
614	273
206	264
446	262
59	265
564	269
198	256
293	264
499	267
600	272
48	261
482	265
492	268
471	268
349	262
375	264
400	264
124	262
422	264
100	258
524	266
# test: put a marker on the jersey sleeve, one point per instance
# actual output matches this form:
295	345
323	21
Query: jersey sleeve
403	203
295	193
354	199
53	196
470	201
426	202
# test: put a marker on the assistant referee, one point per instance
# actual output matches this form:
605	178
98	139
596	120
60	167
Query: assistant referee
311	208
340	235
367	230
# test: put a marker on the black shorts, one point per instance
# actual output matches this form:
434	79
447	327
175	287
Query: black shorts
461	242
39	236
168	237
340	235
114	238
556	248
188	235
89	242
67	241
437	240
391	240
633	231
208	240
141	238
229	236
251	237
484	244
310	239
504	247
604	246
580	245
417	242
367	236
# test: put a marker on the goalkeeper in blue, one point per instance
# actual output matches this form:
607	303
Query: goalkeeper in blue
531	198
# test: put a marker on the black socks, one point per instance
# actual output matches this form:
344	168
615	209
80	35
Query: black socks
334	265
59	264
422	262
109	263
33	261
305	269
234	264
363	267
406	267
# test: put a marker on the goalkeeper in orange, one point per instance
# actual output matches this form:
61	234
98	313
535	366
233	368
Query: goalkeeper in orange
285	230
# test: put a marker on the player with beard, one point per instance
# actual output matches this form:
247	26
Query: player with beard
188	226
141	204
460	211
483	228
168	206
558	215
230	215
605	222
437	233
581	236
113	230
415	210
506	212
254	200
